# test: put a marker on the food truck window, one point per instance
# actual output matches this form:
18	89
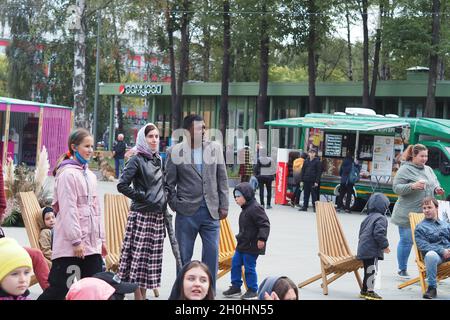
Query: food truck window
434	157
337	144
365	147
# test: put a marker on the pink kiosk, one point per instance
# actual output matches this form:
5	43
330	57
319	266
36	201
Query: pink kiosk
28	125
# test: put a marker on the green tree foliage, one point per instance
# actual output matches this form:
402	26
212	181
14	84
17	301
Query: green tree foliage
3	76
40	60
22	52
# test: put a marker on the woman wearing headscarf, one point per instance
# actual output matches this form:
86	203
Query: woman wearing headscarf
142	249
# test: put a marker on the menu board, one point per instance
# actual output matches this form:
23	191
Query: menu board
383	153
333	145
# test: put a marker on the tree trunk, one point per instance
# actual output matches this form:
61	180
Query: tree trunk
184	65
79	72
385	67
365	100
264	71
223	119
349	45
173	83
376	61
206	43
117	63
441	70
312	68
430	106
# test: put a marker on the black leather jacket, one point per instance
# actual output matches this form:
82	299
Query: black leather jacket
147	193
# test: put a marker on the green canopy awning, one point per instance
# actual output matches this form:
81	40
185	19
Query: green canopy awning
336	123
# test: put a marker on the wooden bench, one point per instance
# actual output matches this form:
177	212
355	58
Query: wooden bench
443	270
336	258
116	209
32	218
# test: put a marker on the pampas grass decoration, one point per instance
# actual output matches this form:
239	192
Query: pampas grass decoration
41	173
9	177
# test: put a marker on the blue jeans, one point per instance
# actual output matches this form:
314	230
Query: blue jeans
186	230
247	260
119	165
404	247
432	260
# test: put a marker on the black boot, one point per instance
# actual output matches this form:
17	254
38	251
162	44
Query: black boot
431	293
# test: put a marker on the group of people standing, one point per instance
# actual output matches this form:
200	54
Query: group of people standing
193	182
197	190
305	170
417	187
258	171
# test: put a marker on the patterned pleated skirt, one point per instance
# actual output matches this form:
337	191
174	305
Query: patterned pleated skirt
142	249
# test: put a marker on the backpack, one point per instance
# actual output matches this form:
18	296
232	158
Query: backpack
297	165
353	176
265	162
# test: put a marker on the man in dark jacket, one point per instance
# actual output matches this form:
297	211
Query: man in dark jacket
373	242
119	154
310	176
346	186
264	173
254	228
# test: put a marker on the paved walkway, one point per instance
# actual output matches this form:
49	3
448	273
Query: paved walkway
292	251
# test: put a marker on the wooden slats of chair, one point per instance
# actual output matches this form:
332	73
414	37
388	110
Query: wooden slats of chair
334	252
227	247
443	270
116	215
32	217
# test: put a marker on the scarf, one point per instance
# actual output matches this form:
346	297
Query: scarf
142	146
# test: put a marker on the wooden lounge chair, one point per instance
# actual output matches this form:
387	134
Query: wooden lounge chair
227	246
335	256
116	216
443	270
32	217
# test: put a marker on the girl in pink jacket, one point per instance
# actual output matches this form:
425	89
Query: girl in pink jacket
78	238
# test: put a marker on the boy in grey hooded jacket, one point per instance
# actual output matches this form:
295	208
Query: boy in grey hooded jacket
373	242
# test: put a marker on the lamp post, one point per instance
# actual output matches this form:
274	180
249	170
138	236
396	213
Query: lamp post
97	76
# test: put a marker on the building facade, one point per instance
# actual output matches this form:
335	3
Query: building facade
286	100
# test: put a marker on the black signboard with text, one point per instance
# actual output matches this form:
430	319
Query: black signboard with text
333	145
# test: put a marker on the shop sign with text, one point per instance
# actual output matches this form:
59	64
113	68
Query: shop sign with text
140	89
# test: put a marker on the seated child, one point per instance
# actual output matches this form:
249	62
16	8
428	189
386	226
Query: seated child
15	270
46	236
101	286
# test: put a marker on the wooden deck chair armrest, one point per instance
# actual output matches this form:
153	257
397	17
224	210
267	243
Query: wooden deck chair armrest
325	259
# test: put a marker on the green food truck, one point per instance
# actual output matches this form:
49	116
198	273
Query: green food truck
376	141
